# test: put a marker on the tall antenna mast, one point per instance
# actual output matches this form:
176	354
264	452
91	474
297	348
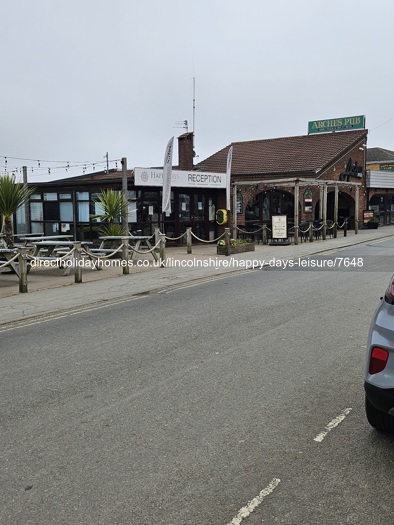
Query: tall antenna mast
194	105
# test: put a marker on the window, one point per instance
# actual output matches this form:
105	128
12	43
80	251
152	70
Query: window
82	195
36	211
50	196
83	211
66	211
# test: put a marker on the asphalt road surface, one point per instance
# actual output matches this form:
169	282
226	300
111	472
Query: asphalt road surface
238	400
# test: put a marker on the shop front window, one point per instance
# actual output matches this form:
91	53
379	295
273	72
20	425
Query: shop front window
199	207
184	207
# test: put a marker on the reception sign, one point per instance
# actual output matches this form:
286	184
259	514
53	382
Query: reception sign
179	178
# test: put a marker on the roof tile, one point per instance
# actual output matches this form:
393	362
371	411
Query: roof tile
288	155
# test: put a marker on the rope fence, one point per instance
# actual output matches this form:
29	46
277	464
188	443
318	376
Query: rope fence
22	261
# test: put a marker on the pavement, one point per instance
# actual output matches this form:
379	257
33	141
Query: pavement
52	292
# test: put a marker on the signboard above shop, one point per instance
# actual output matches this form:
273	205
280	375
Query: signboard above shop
179	178
336	124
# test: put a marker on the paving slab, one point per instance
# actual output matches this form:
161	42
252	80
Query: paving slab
49	290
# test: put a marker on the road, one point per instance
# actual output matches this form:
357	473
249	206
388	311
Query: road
235	400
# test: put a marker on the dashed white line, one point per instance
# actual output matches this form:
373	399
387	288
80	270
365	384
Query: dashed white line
332	424
246	511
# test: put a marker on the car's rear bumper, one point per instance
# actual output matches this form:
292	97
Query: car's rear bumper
381	398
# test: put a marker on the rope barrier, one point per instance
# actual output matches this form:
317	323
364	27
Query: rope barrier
145	251
251	232
94	256
173	238
207	242
43	257
8	263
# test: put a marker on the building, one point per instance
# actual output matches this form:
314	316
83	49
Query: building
68	205
265	172
380	183
323	171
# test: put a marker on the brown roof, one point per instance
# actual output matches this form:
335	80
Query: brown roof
99	176
307	154
379	155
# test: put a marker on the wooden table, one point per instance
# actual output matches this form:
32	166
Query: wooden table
135	242
6	254
31	239
54	250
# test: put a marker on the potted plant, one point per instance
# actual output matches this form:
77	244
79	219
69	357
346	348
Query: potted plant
236	246
373	223
12	196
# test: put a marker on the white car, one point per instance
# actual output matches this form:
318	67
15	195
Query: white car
379	373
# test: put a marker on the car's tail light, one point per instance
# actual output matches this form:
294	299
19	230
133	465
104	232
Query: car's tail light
379	358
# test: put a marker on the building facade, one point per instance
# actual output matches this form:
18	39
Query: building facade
327	169
380	183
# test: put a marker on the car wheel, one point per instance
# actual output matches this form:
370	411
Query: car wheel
378	419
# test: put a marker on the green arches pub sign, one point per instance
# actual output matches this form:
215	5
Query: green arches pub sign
336	124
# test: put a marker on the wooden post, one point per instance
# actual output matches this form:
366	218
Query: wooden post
125	218
22	269
264	234
336	199
27	203
77	262
162	250
157	235
235	232
296	214
324	212
125	256
321	203
227	240
356	211
188	240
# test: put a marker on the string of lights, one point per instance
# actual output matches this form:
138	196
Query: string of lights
36	167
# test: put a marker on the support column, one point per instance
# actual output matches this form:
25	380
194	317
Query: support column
296	214
235	232
125	218
336	199
321	203
324	212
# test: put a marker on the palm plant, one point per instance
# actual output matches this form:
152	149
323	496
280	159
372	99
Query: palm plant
113	208
12	196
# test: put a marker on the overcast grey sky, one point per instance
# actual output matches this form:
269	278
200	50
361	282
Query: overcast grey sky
85	77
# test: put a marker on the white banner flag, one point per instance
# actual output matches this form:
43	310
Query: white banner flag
228	174
167	174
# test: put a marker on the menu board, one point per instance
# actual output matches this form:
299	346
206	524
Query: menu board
279	226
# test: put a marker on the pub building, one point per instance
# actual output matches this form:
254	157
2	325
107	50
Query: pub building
380	183
267	176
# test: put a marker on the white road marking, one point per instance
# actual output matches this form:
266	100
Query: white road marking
46	317
246	511
332	424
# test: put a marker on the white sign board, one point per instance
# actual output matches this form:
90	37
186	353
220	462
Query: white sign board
279	226
179	178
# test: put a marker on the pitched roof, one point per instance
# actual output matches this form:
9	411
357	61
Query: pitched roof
101	176
379	155
306	154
